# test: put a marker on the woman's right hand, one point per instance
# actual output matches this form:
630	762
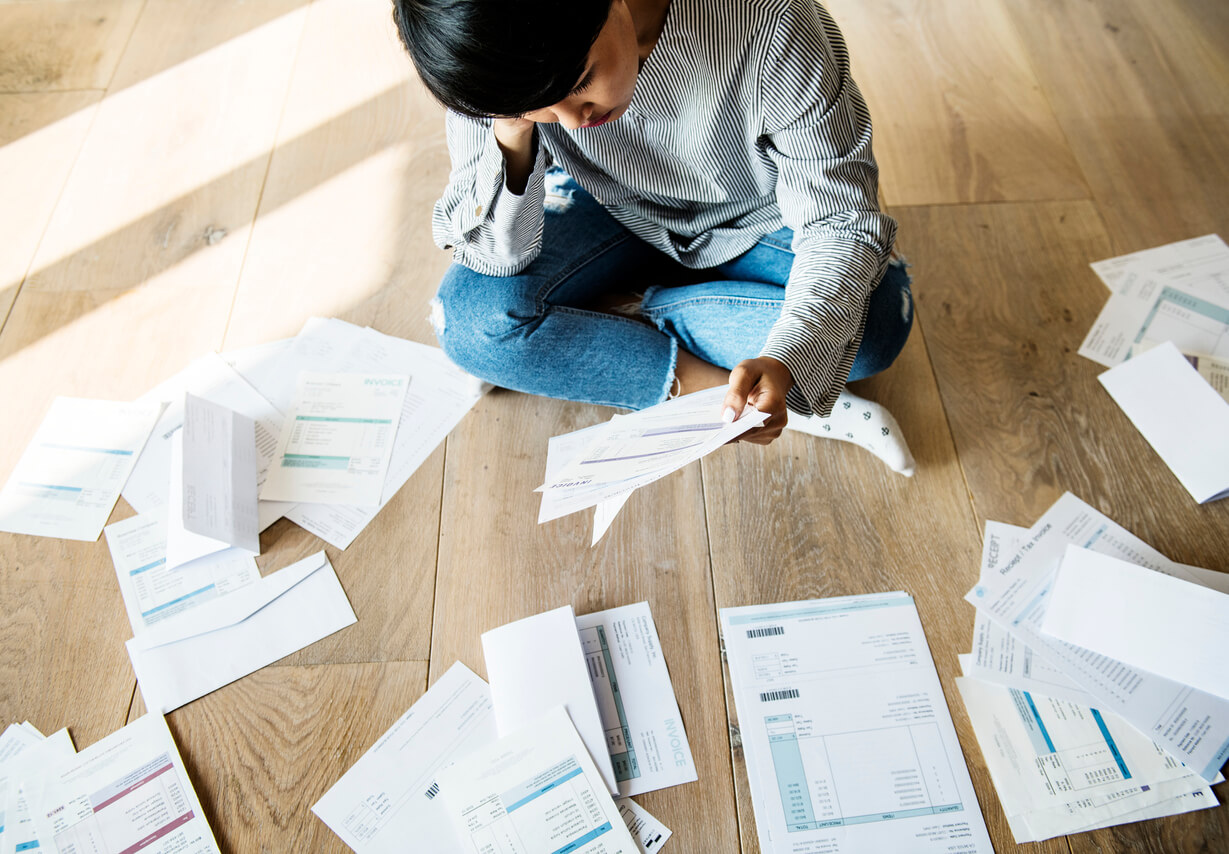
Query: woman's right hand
515	138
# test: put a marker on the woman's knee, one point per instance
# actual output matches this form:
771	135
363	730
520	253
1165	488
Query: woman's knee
479	319
889	319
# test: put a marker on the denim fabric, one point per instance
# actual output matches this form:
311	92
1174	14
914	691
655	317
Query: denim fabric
538	332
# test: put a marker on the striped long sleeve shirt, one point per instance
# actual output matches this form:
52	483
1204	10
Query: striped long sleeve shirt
744	119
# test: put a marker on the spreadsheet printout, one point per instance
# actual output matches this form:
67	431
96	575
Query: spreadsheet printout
848	741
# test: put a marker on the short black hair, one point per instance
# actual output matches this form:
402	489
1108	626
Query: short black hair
500	57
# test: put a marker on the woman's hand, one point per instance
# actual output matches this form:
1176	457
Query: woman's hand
762	382
515	138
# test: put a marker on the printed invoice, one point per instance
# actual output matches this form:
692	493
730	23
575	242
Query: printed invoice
71	474
880	769
1192	726
337	439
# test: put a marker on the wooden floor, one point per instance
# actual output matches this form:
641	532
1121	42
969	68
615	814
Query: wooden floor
182	177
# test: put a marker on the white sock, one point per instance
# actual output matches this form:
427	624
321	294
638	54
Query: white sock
863	422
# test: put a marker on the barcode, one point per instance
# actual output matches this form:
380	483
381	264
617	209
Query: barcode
787	694
433	791
766	632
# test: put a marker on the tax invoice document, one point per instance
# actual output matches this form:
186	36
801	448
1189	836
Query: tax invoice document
154	592
848	742
555	504
337	439
535	791
128	792
1191	725
1061	767
635	698
70	475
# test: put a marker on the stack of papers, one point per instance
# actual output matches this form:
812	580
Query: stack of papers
848	742
585	701
601	466
1064	686
128	792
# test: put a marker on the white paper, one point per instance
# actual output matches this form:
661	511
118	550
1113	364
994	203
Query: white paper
560	450
389	795
847	739
260	366
535	791
210	378
1178	292
22	775
1192	726
1181	416
1137	616
70	475
644	731
128	792
536	664
649	833
1059	767
13	742
337	439
437	398
201	650
154	592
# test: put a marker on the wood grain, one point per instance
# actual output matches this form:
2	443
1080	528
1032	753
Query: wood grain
262	750
48	47
497	565
958	114
1028	417
1140	91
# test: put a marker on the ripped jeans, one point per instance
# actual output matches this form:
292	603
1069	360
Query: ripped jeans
532	332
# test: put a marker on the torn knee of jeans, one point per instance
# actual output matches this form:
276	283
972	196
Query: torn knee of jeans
436	316
906	305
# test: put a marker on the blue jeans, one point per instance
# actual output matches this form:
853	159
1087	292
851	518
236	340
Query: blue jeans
538	331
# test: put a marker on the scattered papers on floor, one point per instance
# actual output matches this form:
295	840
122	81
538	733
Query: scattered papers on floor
880	769
1178	293
196	652
70	475
392	792
602	465
1183	418
1076	738
20	775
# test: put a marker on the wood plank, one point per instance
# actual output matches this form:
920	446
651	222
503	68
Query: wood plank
262	750
808	518
1007	300
62	657
497	565
957	110
47	47
40	135
1141	90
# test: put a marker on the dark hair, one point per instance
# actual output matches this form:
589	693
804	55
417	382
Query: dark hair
499	57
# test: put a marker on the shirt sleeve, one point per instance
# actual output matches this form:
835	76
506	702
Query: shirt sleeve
817	131
490	229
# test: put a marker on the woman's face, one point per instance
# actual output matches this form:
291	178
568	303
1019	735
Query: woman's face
605	90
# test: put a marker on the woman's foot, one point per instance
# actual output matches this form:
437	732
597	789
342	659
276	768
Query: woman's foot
863	422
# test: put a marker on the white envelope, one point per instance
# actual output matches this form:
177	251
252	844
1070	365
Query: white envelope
229	637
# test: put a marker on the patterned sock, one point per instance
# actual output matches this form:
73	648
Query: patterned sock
863	422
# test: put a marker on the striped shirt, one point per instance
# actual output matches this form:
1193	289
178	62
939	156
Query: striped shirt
744	119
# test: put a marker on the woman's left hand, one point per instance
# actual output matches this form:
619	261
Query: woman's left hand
762	382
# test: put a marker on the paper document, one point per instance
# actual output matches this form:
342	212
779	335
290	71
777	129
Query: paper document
389	795
649	833
212	645
337	439
152	591
535	791
13	742
1135	616
847	738
536	664
1059	767
212	500
1182	417
644	731
128	792
70	475
560	450
1192	726
210	378
22	774
1176	293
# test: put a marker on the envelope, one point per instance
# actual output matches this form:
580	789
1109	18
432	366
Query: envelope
225	639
